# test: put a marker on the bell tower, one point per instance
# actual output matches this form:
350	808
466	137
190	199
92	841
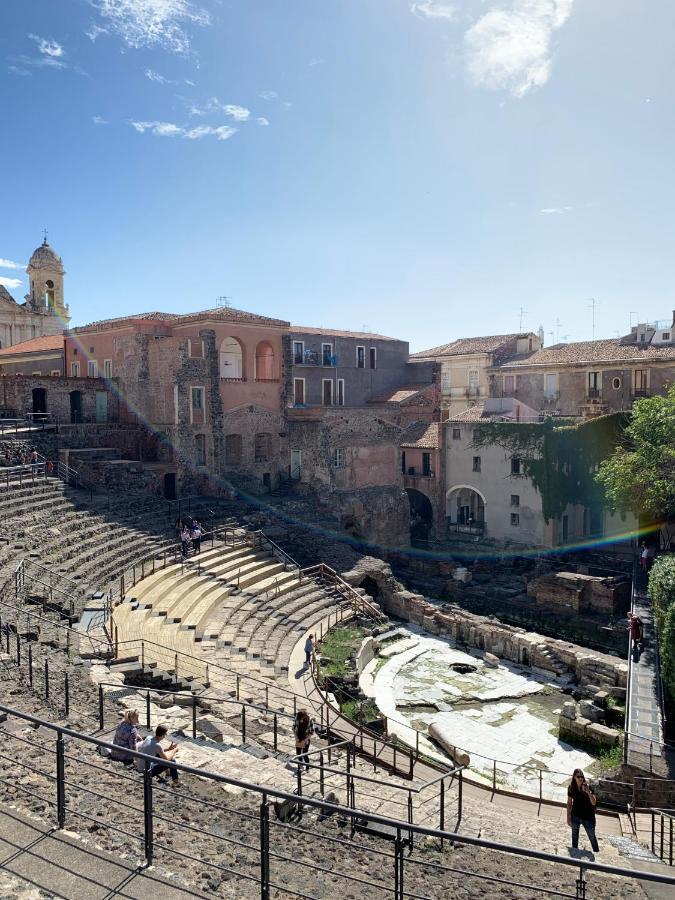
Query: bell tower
45	274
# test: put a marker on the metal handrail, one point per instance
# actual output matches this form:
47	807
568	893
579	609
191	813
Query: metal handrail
400	827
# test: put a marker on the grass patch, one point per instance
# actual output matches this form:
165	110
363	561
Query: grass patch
605	758
352	709
338	645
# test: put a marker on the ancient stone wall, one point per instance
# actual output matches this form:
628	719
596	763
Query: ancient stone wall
581	593
16	395
516	644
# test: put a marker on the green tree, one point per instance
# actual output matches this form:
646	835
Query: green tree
640	475
662	593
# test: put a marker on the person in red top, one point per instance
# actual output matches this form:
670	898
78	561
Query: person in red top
635	631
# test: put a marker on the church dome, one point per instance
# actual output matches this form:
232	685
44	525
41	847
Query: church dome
45	257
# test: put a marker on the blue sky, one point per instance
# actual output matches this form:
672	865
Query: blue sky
424	168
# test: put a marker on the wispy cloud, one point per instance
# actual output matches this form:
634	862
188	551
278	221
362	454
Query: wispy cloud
99	120
261	120
48	47
95	31
8	264
510	48
554	210
10	282
151	23
155	76
433	9
268	95
170	129
213	105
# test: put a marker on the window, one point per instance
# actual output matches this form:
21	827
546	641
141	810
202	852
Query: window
594	384
445	381
515	499
75	369
665	336
515	466
197	394
326	354
476	435
264	362
551	385
616	384
339	457
476	464
231	359
426	464
232	449
263	447
107	368
473	379
200	448
92	369
360	357
515	519
640	382
298	353
509	384
456	434
327	391
195	348
373	357
341	392
298	392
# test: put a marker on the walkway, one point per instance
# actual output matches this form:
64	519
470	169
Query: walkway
645	719
35	856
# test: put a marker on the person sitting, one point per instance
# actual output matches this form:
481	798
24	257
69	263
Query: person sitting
152	746
126	736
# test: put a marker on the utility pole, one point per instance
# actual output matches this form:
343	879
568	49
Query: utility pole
593	306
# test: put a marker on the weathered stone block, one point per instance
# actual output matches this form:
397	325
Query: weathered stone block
601	734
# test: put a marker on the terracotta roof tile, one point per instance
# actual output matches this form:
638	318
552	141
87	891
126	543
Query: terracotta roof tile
422	434
472	414
35	345
464	346
220	312
608	350
399	394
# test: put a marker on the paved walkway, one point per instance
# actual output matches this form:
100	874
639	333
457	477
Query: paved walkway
36	857
645	720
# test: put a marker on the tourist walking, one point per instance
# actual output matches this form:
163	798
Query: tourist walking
196	536
184	540
34	460
127	737
49	468
581	802
309	650
644	557
636	631
302	732
152	746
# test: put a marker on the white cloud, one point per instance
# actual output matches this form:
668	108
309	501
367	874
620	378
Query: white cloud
261	120
152	23
10	282
169	129
510	49
155	76
554	210
46	46
96	31
268	95
213	105
238	113
8	264
432	9
99	120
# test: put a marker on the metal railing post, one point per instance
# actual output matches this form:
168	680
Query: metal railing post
18	646
264	848
147	813
30	665
194	715
460	795
100	707
243	724
237	687
442	809
60	781
147	709
321	782
66	693
46	680
275	733
581	885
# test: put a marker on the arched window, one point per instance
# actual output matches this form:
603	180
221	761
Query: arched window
264	362
231	359
50	293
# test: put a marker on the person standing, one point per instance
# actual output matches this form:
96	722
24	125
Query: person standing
34	460
309	650
196	536
184	540
302	732
581	803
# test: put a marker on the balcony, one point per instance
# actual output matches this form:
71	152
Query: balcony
476	528
551	398
413	475
314	358
593	393
639	393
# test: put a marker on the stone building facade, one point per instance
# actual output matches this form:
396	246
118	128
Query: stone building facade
39	356
44	311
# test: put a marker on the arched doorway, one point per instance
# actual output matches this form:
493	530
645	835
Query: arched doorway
465	509
231	359
75	407
264	362
421	515
39	403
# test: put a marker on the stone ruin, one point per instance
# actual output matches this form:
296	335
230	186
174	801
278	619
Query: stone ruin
581	594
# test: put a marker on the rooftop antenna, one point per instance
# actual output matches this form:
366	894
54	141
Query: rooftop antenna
592	306
558	325
223	302
523	312
632	313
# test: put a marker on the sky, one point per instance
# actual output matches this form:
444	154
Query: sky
426	169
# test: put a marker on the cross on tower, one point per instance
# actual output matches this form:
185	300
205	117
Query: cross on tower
44	235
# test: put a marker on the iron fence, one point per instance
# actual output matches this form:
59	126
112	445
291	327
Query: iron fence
134	808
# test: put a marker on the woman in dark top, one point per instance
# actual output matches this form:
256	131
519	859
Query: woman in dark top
302	732
581	803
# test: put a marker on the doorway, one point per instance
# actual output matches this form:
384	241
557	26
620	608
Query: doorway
170	486
296	464
39	403
75	407
101	406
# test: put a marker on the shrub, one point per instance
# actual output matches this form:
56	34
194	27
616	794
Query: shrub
662	593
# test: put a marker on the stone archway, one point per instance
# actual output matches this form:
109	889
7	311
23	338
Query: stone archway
465	509
421	515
